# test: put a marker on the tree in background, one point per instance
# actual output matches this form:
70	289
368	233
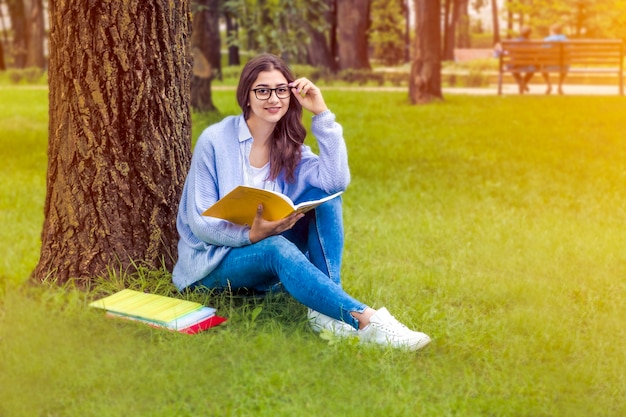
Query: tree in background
27	27
386	34
450	18
425	78
581	18
307	31
35	56
353	17
205	47
496	22
463	37
600	18
322	47
119	136
19	47
280	27
232	34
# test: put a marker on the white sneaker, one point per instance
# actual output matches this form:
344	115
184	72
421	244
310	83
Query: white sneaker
384	329
321	322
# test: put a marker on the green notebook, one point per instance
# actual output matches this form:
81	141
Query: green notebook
147	306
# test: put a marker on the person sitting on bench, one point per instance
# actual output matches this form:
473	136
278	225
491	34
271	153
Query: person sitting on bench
556	35
521	73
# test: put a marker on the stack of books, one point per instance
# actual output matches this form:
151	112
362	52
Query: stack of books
159	311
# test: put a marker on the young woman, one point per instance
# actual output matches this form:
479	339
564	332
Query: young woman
264	148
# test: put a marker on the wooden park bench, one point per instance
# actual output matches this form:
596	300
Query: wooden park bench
571	56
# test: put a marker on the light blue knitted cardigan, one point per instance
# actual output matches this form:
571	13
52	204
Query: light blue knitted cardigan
217	168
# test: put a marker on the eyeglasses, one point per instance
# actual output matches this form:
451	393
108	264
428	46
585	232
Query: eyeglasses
264	93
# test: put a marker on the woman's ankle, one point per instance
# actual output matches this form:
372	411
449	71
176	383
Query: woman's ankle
364	317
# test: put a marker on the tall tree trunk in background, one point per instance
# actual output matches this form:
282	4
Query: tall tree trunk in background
496	21
36	34
119	135
425	79
4	39
448	38
17	14
205	46
353	23
451	21
332	41
463	26
2	64
232	32
509	20
319	48
406	10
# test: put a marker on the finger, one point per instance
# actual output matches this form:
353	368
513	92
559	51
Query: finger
259	212
309	88
295	217
298	83
298	90
302	85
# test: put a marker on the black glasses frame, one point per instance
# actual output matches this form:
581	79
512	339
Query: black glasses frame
272	90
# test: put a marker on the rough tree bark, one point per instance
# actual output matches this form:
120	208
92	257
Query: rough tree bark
352	25
119	135
205	43
425	79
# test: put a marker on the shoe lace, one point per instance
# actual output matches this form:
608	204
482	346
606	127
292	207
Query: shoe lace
393	326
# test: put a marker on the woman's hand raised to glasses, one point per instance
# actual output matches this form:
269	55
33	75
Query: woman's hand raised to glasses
309	96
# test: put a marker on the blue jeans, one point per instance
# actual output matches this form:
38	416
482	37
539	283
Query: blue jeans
306	260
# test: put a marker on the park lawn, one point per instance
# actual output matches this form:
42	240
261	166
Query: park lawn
494	224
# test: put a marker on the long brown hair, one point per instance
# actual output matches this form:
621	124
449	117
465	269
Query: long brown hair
289	133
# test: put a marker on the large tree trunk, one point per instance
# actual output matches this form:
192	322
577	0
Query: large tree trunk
352	25
36	34
119	135
205	43
425	79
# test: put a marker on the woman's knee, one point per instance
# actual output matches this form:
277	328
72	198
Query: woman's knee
278	247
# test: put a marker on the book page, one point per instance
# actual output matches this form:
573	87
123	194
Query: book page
310	205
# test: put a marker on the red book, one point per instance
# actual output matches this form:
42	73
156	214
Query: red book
198	327
203	325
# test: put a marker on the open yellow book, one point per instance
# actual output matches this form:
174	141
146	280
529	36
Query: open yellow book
240	205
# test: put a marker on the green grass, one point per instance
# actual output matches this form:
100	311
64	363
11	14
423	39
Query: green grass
23	133
494	224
